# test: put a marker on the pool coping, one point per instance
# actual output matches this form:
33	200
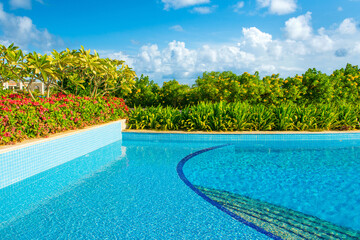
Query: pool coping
241	132
52	137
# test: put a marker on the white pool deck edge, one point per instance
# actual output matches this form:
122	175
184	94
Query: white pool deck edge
240	132
31	142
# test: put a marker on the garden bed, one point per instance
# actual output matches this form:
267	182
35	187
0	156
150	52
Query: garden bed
22	118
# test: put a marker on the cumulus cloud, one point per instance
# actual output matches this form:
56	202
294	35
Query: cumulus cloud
22	31
321	43
238	6
279	7
177	28
178	61
25	4
299	28
348	26
134	42
118	55
357	48
176	4
203	10
256	38
256	50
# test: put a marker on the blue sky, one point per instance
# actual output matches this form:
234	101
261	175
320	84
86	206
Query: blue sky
180	39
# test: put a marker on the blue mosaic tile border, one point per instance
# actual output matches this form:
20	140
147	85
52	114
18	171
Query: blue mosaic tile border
182	176
238	137
23	163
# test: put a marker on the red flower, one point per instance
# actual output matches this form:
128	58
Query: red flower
6	109
7	134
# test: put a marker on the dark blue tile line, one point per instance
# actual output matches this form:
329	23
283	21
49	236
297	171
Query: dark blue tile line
181	174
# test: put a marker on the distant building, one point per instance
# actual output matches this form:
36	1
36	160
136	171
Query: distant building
35	86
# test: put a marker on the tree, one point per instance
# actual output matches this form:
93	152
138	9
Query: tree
174	94
81	72
41	68
15	67
144	93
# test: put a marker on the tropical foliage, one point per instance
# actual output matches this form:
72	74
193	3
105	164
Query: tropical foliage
143	93
78	72
309	88
222	116
22	118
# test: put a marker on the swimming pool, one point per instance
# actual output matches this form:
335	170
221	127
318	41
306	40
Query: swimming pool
133	189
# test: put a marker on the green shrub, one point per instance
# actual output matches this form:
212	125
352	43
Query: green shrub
224	116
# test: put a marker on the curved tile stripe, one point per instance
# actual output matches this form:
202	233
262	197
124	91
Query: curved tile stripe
267	218
181	174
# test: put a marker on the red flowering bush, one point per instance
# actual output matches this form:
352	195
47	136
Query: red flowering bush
22	118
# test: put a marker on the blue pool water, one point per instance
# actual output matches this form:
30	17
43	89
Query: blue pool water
127	190
131	189
320	181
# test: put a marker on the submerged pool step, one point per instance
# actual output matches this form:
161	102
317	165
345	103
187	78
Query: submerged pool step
281	221
304	227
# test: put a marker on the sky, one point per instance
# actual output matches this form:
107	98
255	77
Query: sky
181	39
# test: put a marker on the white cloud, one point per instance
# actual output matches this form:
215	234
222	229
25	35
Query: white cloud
348	26
267	68
238	6
340	9
322	43
179	62
256	38
22	31
176	4
357	48
135	42
256	50
282	7
203	10
263	3
177	28
118	55
26	4
279	7
299	28
20	4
